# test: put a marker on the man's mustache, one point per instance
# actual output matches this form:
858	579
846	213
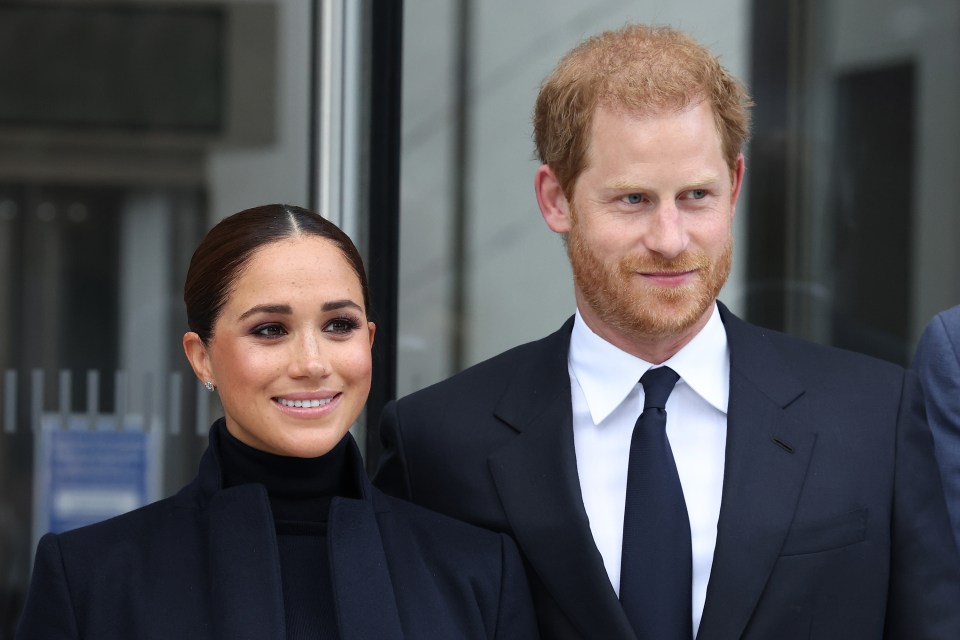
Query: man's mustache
655	263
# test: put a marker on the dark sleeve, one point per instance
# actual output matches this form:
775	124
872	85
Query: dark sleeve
937	363
48	613
516	619
391	476
924	596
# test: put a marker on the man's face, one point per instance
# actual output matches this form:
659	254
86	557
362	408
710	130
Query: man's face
650	225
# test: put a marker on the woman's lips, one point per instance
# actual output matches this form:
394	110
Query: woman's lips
308	404
316	402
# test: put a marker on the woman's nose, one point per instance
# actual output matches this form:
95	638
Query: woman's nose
308	358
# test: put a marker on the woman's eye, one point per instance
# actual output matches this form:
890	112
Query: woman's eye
633	198
270	331
341	325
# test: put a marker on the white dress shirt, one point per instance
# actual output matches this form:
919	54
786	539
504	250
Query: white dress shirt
607	399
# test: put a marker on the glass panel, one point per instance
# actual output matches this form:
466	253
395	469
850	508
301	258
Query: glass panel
479	270
126	130
845	234
872	137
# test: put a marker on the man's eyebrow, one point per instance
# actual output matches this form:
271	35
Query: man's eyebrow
266	308
697	182
703	181
627	185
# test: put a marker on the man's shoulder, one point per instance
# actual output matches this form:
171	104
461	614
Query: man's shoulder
803	355
492	375
950	319
939	345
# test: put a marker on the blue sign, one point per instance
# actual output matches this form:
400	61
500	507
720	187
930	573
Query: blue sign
85	475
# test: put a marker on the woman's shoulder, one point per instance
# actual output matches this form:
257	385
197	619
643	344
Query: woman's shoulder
431	553
155	521
437	528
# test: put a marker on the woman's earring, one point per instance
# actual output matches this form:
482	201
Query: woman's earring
209	385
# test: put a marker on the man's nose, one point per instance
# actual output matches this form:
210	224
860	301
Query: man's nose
665	233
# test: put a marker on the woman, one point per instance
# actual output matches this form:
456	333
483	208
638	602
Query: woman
280	535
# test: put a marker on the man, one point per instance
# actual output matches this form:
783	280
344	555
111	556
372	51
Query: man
937	362
803	477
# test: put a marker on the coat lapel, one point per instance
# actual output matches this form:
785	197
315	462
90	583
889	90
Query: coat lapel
245	586
767	454
365	601
536	478
247	596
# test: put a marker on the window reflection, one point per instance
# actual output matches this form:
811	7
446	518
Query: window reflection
126	130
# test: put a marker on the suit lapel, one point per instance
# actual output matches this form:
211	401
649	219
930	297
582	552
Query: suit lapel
767	454
246	595
536	478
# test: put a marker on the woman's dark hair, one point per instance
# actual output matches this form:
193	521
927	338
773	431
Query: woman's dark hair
227	248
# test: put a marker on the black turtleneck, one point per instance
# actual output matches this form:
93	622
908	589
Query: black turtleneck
300	491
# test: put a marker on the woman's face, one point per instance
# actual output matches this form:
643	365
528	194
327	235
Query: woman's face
290	352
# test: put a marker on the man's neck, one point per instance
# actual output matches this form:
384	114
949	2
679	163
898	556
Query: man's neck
654	349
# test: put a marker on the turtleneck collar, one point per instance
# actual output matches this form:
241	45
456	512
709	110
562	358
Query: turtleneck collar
299	489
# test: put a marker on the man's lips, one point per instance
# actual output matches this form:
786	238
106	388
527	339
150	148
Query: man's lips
669	278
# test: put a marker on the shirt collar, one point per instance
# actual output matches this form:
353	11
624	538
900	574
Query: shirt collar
607	375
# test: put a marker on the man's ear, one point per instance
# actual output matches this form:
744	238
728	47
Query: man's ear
737	182
553	203
198	357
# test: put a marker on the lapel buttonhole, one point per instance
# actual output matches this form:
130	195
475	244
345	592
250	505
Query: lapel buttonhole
783	445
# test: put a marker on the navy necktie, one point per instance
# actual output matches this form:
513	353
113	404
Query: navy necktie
656	569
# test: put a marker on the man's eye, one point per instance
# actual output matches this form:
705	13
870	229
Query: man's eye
698	194
633	198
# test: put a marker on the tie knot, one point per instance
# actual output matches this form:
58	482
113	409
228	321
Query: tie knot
657	385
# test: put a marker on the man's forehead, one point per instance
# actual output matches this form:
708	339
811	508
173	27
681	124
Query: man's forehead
618	118
642	109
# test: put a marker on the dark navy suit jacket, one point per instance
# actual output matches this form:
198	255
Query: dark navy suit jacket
937	363
832	524
204	564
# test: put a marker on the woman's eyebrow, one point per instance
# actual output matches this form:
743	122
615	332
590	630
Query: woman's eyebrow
266	308
285	309
340	304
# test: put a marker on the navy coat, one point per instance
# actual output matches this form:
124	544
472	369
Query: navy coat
204	564
832	520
